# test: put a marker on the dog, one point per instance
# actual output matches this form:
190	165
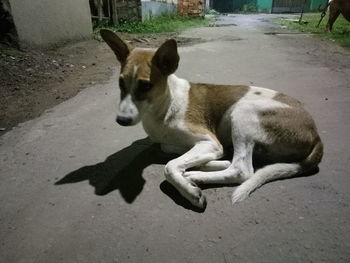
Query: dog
336	7
200	121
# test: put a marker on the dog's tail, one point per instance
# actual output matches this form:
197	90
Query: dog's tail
278	171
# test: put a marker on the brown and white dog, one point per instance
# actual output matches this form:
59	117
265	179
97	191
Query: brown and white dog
199	121
337	7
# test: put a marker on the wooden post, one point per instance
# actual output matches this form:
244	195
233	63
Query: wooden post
109	8
99	5
114	12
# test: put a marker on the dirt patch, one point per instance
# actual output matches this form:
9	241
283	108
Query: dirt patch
35	80
155	40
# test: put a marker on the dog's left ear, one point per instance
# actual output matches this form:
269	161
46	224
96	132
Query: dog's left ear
166	59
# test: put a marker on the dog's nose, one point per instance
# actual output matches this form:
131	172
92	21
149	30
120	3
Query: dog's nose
124	121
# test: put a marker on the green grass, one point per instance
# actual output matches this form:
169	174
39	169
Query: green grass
341	28
166	23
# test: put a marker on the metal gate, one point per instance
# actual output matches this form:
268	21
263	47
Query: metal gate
223	5
287	6
231	5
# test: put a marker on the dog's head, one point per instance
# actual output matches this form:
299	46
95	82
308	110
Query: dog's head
143	76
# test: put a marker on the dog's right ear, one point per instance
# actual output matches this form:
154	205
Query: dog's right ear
119	47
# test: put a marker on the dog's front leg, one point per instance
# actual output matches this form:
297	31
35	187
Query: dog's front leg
237	172
201	153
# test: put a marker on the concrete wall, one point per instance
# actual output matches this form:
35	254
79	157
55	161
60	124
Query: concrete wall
151	9
48	22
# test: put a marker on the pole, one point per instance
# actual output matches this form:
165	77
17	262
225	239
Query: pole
302	12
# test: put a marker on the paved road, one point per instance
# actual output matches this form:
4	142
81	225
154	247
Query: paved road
75	187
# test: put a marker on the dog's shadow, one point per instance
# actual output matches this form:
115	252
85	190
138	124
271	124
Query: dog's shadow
123	171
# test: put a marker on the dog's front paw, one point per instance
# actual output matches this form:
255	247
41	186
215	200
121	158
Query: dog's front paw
186	187
196	196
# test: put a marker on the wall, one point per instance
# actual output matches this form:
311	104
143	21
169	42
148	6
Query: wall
155	8
264	5
129	9
191	7
48	22
239	5
316	3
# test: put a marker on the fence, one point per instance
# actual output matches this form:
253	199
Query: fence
115	10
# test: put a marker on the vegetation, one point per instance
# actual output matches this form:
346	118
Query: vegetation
341	28
210	11
249	8
159	24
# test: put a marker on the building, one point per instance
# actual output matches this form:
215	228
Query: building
46	23
268	6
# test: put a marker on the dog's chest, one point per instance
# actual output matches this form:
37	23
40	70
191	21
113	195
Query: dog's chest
171	128
169	133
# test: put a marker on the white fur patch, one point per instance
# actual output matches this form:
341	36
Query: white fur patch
242	119
171	129
179	92
128	109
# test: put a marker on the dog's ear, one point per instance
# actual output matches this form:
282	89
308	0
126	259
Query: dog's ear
119	47
166	59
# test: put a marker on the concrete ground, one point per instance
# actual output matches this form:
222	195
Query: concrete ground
76	187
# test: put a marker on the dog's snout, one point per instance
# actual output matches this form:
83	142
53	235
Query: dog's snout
124	121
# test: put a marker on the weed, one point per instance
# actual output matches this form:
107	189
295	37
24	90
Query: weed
341	28
210	11
165	23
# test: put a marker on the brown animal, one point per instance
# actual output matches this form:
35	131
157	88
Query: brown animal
337	7
199	121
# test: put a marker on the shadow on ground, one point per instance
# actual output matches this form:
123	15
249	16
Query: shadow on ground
121	170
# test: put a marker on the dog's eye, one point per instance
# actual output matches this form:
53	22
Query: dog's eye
144	85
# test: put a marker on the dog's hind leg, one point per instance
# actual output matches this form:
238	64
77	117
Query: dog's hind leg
278	171
227	176
217	165
237	172
201	153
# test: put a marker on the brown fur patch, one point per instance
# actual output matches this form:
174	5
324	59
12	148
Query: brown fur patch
257	93
140	58
292	128
287	100
207	105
